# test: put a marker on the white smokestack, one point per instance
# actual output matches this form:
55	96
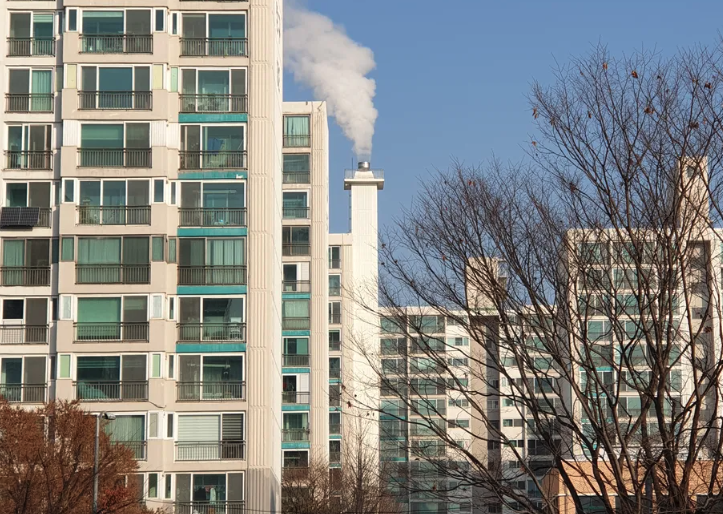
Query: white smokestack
321	56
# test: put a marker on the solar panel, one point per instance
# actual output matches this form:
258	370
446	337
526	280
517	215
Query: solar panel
19	216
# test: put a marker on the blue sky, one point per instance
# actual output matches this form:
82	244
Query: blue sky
452	77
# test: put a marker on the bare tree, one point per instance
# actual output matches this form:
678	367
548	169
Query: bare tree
588	281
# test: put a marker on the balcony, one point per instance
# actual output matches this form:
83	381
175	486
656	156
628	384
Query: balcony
296	360
23	334
137	447
296	323
334	373
296	249
31	102
296	286
297	141
292	435
211	275
296	213
111	391
212	217
211	332
212	103
23	393
335	428
115	100
210	450
114	215
217	47
295	397
335	457
111	332
25	276
116	44
112	273
213	160
29	217
210	391
335	318
29	47
296	177
114	157
202	507
26	160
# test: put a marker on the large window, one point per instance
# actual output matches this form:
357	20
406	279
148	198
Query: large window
23	379
295	241
109	32
210	437
210	377
114	202
296	131
213	34
295	314
197	491
213	90
29	147
112	319
213	146
115	88
113	260
115	145
211	319
121	377
31	33
24	320
296	204
296	426
29	90
296	168
205	204
129	431
212	261
26	262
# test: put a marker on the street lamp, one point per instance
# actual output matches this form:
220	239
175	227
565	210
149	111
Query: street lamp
110	417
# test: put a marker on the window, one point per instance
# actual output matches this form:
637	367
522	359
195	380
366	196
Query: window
160	25
228	31
112	319
334	367
226	429
458	423
103	87
113	260
334	313
460	402
169	425
296	459
296	168
72	20
112	377
130	430
511	422
31	33
334	285
174	24
21	254
27	194
173	193
203	489
295	241
204	90
213	204
153	485
458	341
213	147
156	366
334	340
29	90
69	188
334	257
157	252
296	131
211	319
172	249
29	146
115	145
158	191
23	379
295	314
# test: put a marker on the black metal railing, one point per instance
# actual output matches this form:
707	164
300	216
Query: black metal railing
27	160
296	213
210	450
335	428
297	141
137	447
211	275
292	397
296	323
23	393
296	177
115	100
217	332
107	391
334	346
212	103
116	44
210	391
295	434
30	46
114	215
29	102
25	276
23	334
335	318
207	507
212	217
217	47
114	157
212	159
296	360
112	273
109	332
295	249
296	286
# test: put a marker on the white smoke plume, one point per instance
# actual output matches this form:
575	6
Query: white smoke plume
322	57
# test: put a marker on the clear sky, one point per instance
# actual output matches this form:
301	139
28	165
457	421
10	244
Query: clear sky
452	76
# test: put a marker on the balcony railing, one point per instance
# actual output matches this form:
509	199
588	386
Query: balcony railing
296	360
296	177
216	332
217	47
28	46
213	159
111	391
295	397
211	275
114	215
23	393
210	391
334	373
297	141
212	103
23	334
25	276
114	157
210	450
204	507
335	428
334	290
296	249
334	263
295	434
334	346
296	286
335	457
109	332
115	100
116	44
112	273
296	213
335	318
26	160
29	102
212	217
296	323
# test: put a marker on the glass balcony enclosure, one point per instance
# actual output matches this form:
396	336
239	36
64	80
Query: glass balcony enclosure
212	261
213	34
210	377
114	202
296	168
26	262
211	319
213	147
29	90
112	378
296	351
212	204
209	90
115	32
29	147
113	260
31	34
112	319
296	205
23	379
295	241
115	88
296	131
295	426
296	277
115	145
295	314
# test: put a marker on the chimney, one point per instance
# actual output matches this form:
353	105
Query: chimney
364	165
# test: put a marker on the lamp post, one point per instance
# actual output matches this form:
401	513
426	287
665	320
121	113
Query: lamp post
110	417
